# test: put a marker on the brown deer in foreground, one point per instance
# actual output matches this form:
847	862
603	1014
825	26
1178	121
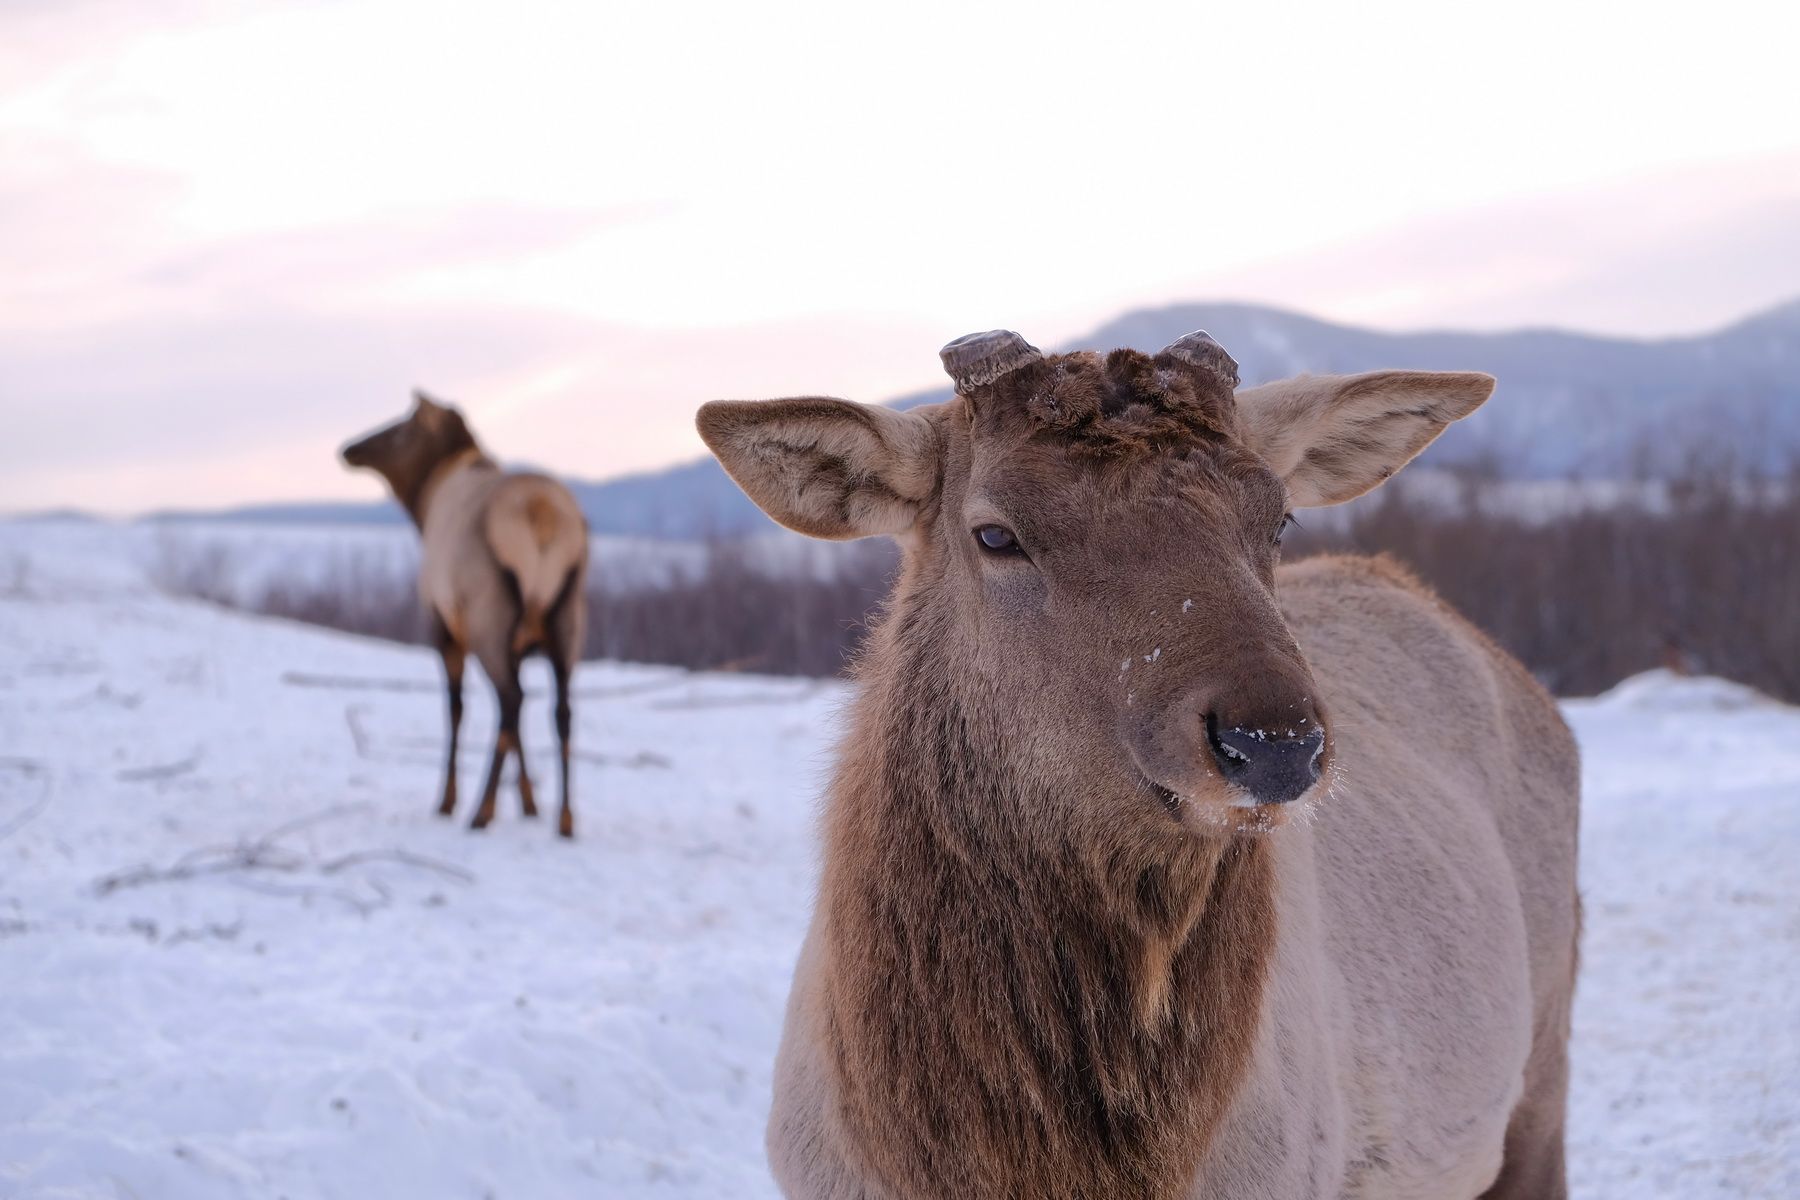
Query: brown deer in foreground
1151	868
502	567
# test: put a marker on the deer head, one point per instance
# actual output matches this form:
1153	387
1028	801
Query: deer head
1091	545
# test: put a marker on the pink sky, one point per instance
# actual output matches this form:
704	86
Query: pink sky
235	235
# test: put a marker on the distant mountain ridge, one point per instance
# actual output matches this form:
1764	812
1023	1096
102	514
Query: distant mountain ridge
1569	405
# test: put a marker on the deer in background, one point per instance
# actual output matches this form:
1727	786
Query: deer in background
502	572
1153	868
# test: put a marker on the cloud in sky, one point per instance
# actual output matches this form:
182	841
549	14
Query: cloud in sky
235	236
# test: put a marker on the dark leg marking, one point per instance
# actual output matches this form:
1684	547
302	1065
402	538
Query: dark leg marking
505	743
562	665
454	657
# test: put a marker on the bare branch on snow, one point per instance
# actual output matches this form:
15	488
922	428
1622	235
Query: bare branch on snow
246	862
27	768
162	770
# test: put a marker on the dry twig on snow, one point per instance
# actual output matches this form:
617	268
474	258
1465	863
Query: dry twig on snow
160	770
245	861
27	768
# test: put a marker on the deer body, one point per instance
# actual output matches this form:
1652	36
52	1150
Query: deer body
478	518
1071	939
1367	1074
502	567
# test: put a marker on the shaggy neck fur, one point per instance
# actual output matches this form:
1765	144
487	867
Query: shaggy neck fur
1007	1015
414	488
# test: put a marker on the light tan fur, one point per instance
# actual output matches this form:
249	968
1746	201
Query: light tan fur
835	472
537	533
502	571
1057	952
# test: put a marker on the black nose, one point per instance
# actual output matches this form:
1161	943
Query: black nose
1272	767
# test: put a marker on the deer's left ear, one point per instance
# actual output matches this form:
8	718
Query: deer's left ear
825	467
1333	437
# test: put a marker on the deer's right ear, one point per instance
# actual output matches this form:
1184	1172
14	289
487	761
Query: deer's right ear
827	468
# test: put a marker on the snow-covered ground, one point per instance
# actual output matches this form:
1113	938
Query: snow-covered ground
239	956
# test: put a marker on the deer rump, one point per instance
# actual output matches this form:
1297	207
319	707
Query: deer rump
539	546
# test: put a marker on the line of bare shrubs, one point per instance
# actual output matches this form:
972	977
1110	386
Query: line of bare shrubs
1705	579
735	606
1704	572
739	612
361	590
369	598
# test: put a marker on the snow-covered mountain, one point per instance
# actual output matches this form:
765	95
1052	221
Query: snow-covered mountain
1570	405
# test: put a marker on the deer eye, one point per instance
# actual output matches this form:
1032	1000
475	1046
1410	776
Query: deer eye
997	539
1287	519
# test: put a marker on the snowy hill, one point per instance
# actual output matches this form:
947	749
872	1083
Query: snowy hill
1570	406
243	958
